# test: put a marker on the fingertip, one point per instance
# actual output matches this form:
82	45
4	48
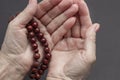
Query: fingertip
83	8
32	1
75	7
27	14
97	26
71	21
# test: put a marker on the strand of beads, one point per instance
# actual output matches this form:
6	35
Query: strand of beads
34	34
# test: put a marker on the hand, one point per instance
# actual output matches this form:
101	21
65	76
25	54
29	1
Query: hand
73	57
16	46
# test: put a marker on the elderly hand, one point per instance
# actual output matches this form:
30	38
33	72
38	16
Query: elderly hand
16	47
73	56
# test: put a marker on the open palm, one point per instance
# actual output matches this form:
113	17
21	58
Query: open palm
16	45
73	56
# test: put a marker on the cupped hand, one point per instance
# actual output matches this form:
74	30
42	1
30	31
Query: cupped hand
73	56
16	46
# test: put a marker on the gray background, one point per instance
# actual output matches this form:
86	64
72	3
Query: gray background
106	12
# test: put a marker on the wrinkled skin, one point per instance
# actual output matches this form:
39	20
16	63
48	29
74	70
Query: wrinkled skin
16	46
73	55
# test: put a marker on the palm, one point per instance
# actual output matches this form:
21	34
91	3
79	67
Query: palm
71	55
16	44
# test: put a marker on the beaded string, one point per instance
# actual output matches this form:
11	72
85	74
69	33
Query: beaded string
33	36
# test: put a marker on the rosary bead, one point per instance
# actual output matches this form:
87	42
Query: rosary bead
29	28
34	70
44	67
36	64
36	55
31	35
37	30
32	40
48	56
40	35
33	32
34	24
34	46
43	40
46	49
41	72
36	51
45	44
37	76
45	61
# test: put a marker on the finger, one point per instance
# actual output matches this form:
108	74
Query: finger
85	19
60	32
90	45
44	6
27	14
76	29
62	18
68	34
60	8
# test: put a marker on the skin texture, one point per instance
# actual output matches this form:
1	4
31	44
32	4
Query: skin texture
16	47
72	56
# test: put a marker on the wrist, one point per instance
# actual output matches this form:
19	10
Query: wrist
10	68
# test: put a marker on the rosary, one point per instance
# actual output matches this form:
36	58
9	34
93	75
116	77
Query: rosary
34	35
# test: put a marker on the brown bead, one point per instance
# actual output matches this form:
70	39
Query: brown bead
44	67
37	56
32	40
45	44
29	28
36	51
31	35
40	35
35	24
34	70
32	76
43	40
37	76
34	46
45	61
41	72
46	49
36	64
37	30
48	56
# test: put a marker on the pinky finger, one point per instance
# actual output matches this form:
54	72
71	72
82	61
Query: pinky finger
63	30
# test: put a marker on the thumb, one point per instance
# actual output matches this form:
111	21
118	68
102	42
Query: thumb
27	14
90	40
